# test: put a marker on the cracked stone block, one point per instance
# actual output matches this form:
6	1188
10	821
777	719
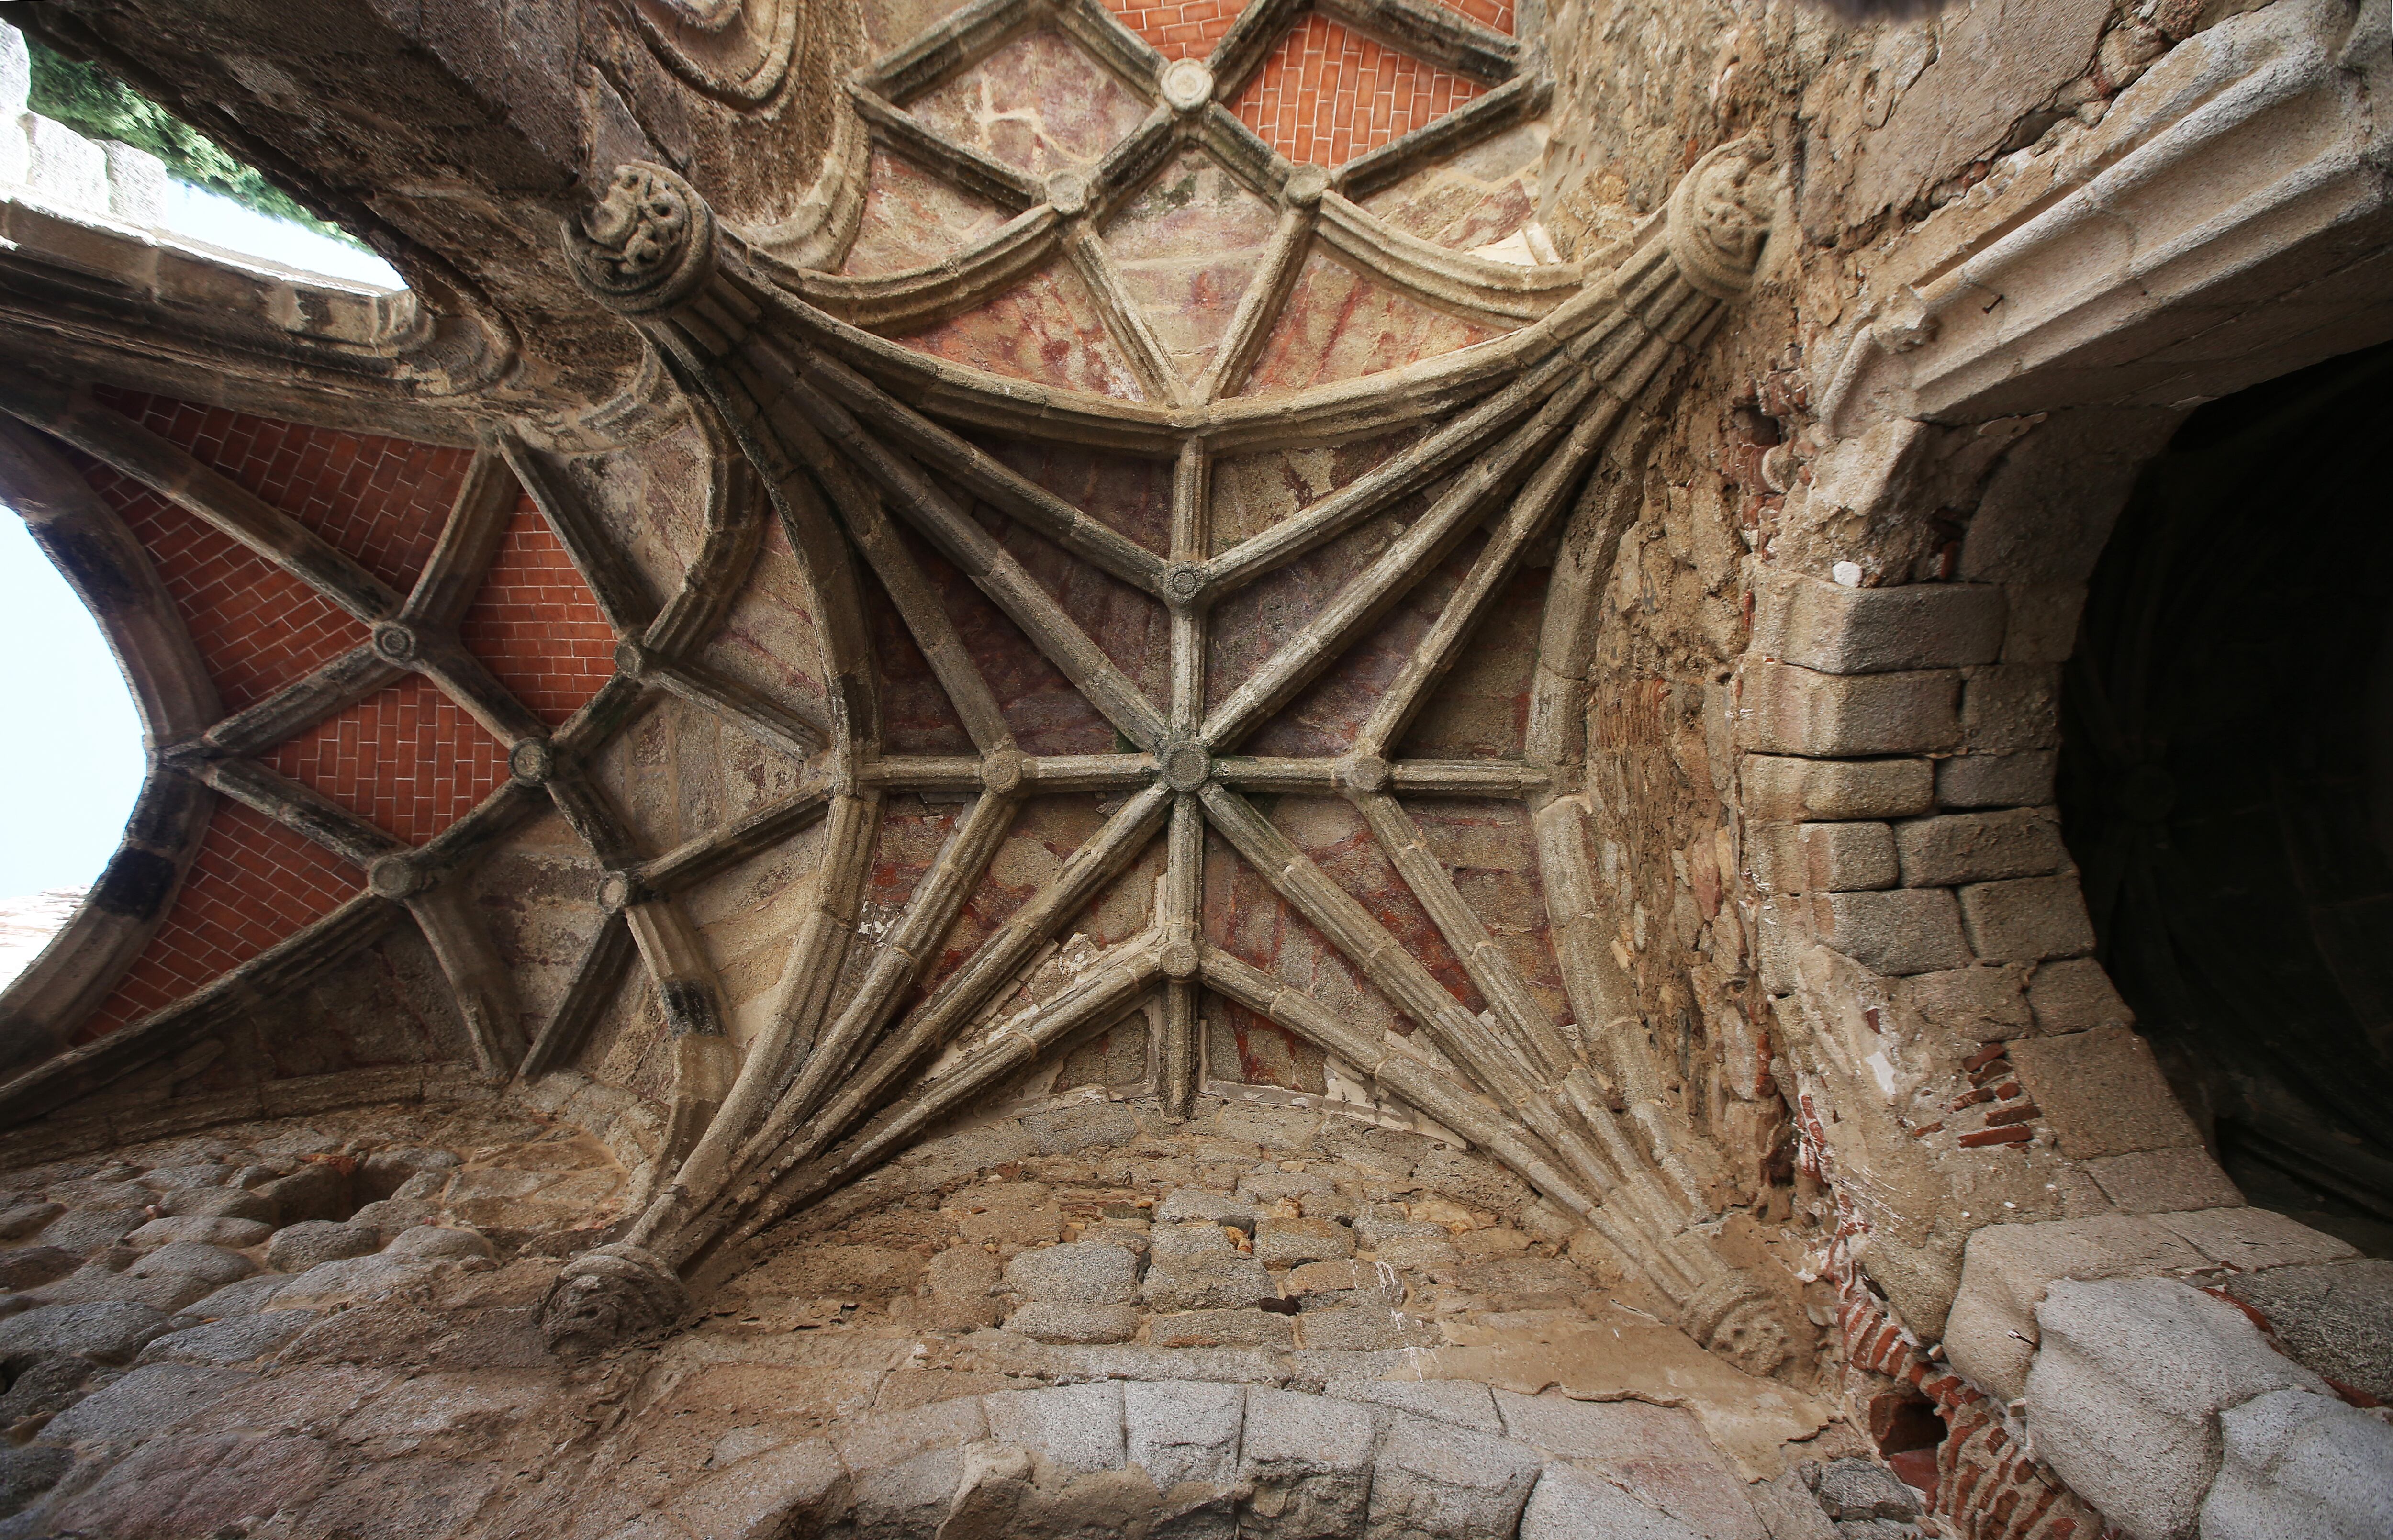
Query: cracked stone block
1366	1328
1052	1321
25	1474
236	1339
1284	1242
1356	1281
108	1331
960	1282
92	1285
1786	709
207	1229
1078	1427
2250	1239
1221	1328
1977	1004
1190	1238
1658	1453
1184	1430
1185	1203
1229	1282
2074	994
297	1247
137	184
2336	1319
27	1217
2023	780
16	71
1991	1332
213	1265
895	1436
786	1491
1980	847
2027	919
430	1243
1428	1255
1432	1480
1847	856
1826	626
152	1397
1372	1230
1081	1128
31	1266
2042	626
1265	1188
2009	707
1080	1272
1308	1462
1859	1489
1788	1511
85	1229
2123	1396
909	1498
65	168
1900	931
1569	1505
2101	1093
1461	1402
245	1298
2158	1182
354	1281
1784	790
2301	1466
223	1203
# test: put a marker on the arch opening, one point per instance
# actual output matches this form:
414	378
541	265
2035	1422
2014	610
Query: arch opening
2227	785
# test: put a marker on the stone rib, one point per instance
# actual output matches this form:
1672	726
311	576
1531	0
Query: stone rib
993	570
716	852
1266	295
621	590
215	498
1124	317
469	539
339	684
970	989
1405	561
1527	518
771	722
1507	993
596	976
301	809
478	978
988	477
1383	485
1111	986
897	966
961	164
818	955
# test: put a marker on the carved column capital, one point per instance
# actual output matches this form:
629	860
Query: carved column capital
646	246
1718	215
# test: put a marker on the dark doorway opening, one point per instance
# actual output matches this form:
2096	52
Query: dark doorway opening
2226	783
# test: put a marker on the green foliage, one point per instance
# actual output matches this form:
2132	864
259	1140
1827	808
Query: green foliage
98	105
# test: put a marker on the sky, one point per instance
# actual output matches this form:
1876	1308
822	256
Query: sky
221	222
76	762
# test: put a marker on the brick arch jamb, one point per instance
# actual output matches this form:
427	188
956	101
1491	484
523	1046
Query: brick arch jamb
175	698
